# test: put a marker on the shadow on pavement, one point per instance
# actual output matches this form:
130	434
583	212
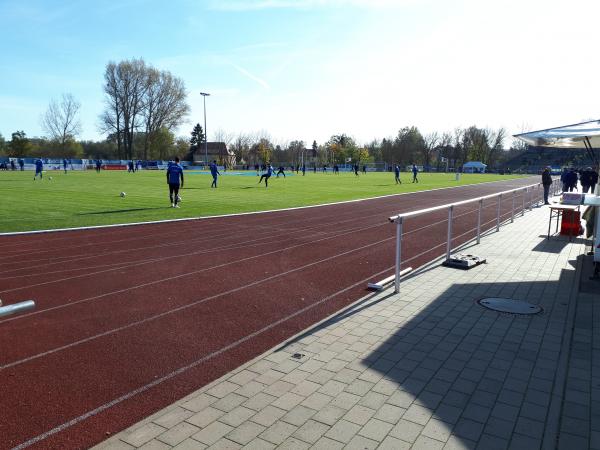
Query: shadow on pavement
456	370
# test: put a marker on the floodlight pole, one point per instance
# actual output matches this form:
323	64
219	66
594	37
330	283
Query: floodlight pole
204	95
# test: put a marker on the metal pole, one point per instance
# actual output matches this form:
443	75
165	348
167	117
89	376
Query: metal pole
16	308
449	241
523	209
512	212
398	254
498	213
204	95
479	221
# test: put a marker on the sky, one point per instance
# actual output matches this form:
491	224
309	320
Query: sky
309	69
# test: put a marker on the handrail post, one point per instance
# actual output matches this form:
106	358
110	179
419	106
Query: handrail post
479	221
449	241
523	208
398	253
498	213
512	211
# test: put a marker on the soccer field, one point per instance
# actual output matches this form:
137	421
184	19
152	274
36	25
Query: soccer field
77	199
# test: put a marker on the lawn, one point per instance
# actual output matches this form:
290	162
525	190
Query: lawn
79	198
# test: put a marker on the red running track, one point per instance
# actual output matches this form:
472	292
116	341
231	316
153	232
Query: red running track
130	319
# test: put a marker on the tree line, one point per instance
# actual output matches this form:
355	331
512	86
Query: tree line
143	106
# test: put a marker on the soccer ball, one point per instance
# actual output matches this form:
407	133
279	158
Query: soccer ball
50	179
178	198
123	194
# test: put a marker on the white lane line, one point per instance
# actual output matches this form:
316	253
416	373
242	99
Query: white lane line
189	305
174	277
182	243
95	227
185	368
60	280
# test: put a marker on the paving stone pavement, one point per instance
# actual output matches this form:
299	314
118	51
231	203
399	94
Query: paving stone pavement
428	368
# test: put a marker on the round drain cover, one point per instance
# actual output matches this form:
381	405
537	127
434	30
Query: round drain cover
507	305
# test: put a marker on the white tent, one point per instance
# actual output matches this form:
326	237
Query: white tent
580	135
474	167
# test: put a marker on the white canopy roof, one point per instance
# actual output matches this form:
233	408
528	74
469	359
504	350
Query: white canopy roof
568	136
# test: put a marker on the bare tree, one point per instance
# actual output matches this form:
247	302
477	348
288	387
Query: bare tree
518	144
61	120
140	98
430	142
223	136
164	104
125	86
241	147
495	144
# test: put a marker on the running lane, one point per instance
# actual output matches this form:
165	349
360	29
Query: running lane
130	319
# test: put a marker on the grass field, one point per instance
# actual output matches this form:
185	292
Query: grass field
80	199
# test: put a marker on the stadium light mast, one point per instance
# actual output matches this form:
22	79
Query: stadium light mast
204	95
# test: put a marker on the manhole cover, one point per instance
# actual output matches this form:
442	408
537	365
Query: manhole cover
507	305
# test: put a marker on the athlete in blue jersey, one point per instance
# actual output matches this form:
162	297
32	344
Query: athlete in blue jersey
174	174
39	167
214	171
267	175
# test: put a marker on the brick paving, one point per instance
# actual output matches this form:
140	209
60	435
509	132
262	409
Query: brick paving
428	368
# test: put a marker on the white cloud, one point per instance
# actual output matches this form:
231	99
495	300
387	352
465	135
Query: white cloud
249	5
253	77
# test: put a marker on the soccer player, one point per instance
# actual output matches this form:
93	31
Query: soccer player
397	173
303	170
214	171
98	165
65	164
281	171
267	175
415	171
356	169
174	174
39	167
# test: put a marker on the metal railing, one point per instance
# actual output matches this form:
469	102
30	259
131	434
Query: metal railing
16	308
531	195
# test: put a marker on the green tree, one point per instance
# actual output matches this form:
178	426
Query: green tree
2	145
19	145
263	150
408	146
162	144
340	147
197	137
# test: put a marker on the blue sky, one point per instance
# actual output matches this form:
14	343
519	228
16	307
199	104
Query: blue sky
307	69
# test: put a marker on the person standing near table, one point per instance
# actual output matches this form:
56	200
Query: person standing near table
571	180
585	178
546	182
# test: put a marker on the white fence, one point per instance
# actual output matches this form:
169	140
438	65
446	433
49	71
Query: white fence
531	195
